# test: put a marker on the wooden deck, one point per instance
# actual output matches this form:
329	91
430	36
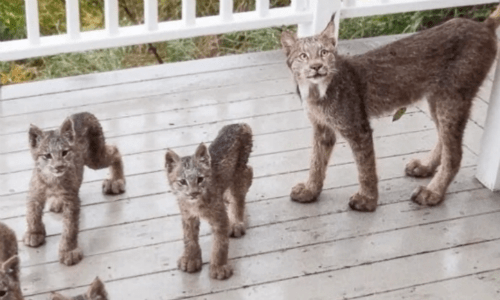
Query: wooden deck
321	250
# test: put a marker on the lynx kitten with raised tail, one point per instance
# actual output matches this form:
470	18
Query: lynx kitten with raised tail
10	286
60	156
445	64
96	291
202	184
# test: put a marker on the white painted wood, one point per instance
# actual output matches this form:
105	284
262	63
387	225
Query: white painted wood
262	7
131	35
322	13
226	10
32	23
362	8
189	12
151	14
73	18
110	19
488	165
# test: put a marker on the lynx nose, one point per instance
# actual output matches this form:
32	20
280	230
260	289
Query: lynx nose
194	194
316	66
59	168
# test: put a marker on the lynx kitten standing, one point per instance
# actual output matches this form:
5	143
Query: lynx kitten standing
60	156
96	291
201	183
445	64
10	287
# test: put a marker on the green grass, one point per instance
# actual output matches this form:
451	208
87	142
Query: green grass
53	22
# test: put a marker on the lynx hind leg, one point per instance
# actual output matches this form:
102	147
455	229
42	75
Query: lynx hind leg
427	166
99	156
452	120
238	190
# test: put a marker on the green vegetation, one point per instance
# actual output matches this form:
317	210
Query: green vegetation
52	21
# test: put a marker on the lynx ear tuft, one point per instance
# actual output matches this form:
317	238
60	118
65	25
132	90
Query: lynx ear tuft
35	136
97	290
68	131
57	296
171	160
288	40
202	156
330	33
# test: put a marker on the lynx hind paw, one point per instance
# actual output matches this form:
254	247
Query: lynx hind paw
362	203
302	194
56	206
424	196
237	229
221	272
71	257
415	168
113	186
189	264
34	239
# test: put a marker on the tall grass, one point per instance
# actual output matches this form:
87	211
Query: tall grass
131	11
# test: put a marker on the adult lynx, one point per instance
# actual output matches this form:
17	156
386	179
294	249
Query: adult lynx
10	286
445	64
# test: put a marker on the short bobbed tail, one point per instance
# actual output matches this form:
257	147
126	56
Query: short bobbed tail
493	20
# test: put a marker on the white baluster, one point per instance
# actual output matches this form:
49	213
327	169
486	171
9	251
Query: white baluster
32	22
262	7
226	9
189	12
322	13
151	14
73	18
111	16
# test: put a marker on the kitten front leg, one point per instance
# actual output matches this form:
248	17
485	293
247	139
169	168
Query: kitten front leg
219	268
361	142
69	253
35	235
190	261
324	140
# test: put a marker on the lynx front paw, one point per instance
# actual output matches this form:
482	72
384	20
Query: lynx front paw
362	203
301	193
237	229
34	239
113	187
424	196
71	257
221	272
415	168
189	264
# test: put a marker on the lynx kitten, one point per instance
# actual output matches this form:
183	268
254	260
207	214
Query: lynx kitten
445	64
96	291
10	287
60	156
201	183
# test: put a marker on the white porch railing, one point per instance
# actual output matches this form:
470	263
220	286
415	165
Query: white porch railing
310	15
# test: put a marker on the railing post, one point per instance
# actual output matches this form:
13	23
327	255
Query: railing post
262	7
488	165
73	18
111	16
322	13
189	12
226	9
32	21
151	14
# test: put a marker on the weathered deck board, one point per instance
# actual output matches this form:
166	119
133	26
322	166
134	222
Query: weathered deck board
291	251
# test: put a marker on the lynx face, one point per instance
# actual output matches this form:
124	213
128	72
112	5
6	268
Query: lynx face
189	176
96	291
52	150
9	286
311	59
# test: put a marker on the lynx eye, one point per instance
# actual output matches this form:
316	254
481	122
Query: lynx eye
65	152
183	182
303	56
200	179
3	293
324	52
47	156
